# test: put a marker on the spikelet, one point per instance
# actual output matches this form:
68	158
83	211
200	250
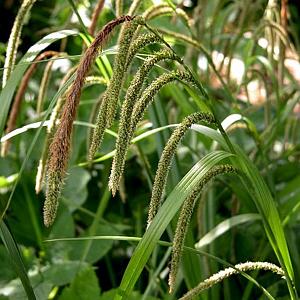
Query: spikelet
120	69
153	89
134	7
221	275
165	9
137	113
60	146
132	95
14	40
140	42
167	156
110	98
185	216
14	112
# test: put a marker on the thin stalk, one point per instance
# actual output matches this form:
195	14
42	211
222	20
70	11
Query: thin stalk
43	87
95	16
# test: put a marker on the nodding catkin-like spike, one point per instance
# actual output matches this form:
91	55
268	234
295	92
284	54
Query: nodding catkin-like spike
167	156
163	9
92	119
60	146
140	42
134	7
151	10
152	90
14	40
90	80
185	216
138	111
110	98
221	275
41	170
119	70
133	93
98	132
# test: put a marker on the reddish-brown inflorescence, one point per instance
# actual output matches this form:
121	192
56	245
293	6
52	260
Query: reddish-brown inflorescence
60	146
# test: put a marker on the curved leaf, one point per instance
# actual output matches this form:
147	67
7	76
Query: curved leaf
163	218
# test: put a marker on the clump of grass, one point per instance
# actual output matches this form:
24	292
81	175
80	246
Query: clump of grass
185	216
220	276
60	146
14	39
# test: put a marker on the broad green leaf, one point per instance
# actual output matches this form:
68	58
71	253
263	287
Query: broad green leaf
63	273
75	191
7	273
85	286
97	249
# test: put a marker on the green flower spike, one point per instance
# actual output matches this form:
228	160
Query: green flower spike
185	216
167	156
110	98
220	276
133	93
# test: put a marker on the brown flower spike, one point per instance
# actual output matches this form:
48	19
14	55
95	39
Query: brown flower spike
60	146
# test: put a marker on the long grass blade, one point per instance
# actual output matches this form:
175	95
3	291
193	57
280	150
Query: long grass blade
16	259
